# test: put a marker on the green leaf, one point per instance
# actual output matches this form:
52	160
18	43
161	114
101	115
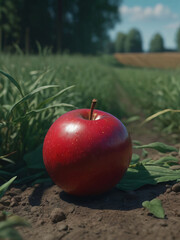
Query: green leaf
144	153
34	159
135	158
31	178
11	79
155	207
29	95
4	187
161	147
50	99
143	174
13	221
136	142
10	234
132	119
43	109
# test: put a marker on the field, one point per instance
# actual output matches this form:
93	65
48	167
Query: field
35	90
164	60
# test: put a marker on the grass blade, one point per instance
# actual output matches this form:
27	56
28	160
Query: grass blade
50	99
5	186
160	113
11	79
28	96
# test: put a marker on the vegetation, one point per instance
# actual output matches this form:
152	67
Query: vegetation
178	39
64	25
133	41
157	43
44	87
120	42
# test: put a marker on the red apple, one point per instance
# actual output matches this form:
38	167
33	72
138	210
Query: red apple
87	157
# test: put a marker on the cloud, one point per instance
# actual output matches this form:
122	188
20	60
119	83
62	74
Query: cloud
136	13
174	25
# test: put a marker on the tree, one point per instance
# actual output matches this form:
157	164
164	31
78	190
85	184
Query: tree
178	39
120	42
133	41
157	43
9	23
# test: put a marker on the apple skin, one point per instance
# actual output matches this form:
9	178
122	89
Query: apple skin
87	157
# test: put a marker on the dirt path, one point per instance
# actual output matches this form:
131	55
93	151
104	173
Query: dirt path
115	215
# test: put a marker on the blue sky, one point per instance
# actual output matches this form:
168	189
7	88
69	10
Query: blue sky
150	17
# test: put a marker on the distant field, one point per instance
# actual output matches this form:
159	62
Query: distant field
150	60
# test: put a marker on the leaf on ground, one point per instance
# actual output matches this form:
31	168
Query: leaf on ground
4	187
135	158
13	221
143	174
34	159
161	147
155	207
10	234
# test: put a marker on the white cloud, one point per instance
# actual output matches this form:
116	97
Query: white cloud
174	25
159	11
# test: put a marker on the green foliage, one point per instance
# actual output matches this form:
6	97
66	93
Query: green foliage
156	43
133	41
142	172
155	207
65	25
120	42
8	223
152	91
161	147
5	186
178	39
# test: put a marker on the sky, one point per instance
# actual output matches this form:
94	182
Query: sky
150	17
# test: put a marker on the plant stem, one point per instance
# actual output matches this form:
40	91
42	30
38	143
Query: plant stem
94	101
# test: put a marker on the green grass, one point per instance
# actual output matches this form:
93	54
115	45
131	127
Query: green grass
153	90
29	107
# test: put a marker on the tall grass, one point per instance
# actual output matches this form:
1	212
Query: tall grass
36	90
153	90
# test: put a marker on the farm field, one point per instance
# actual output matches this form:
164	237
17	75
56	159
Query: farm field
164	60
46	86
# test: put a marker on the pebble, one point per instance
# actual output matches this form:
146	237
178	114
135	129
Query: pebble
175	167
14	191
174	154
176	187
57	215
168	190
62	227
5	201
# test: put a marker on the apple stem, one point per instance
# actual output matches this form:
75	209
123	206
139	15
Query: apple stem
94	101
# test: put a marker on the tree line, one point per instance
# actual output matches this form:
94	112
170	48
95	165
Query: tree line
76	26
132	42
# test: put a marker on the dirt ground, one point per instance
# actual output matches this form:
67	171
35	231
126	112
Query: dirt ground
55	215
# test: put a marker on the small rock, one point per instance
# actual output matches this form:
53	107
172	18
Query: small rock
164	224
57	215
5	201
176	187
14	204
71	209
175	167
1	207
168	190
99	218
174	154
50	237
14	191
62	227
